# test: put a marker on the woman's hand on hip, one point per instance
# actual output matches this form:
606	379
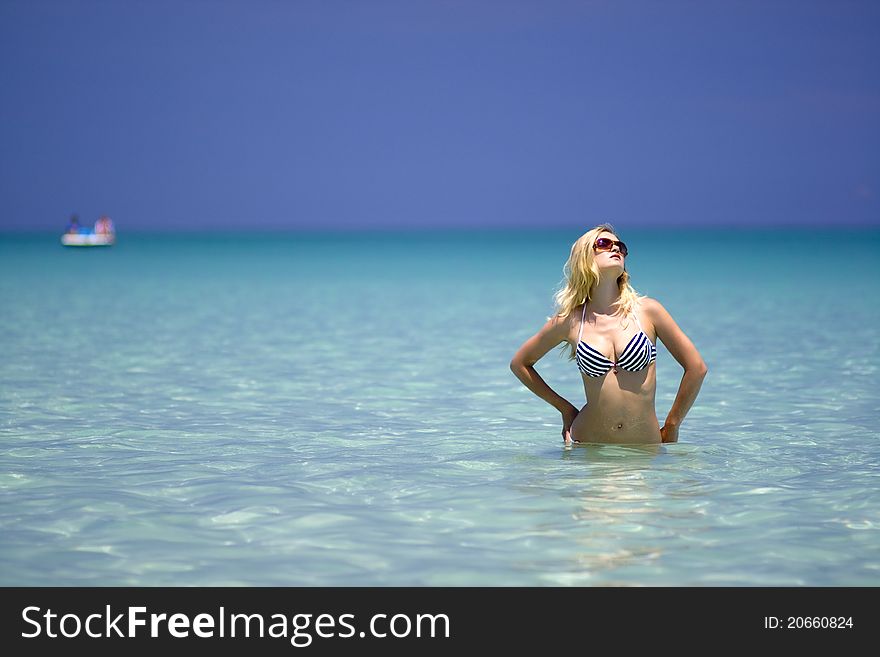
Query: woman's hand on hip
669	433
568	416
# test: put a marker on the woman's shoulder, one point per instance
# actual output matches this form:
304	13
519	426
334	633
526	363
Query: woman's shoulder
652	308
649	306
558	319
562	323
649	302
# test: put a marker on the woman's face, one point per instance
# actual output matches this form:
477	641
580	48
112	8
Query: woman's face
609	251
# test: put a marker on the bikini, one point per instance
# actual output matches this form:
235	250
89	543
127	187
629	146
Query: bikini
636	356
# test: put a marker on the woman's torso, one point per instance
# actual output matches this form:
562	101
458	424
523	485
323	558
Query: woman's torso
620	404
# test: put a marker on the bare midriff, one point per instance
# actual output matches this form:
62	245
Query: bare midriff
619	409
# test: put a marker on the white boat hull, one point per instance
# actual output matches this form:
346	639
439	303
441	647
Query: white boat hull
91	239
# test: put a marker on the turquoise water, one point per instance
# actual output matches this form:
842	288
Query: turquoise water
338	410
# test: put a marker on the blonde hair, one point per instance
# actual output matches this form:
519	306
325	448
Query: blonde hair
581	277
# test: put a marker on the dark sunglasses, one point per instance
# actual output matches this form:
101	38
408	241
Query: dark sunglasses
605	244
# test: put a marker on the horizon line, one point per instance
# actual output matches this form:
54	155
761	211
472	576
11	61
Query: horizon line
359	230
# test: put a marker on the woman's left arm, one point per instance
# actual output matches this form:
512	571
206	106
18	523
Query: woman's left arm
684	351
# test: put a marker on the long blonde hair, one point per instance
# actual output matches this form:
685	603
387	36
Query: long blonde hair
582	275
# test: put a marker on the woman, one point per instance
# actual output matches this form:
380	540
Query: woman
104	226
611	332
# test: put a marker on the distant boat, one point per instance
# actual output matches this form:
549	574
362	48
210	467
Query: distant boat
88	239
104	233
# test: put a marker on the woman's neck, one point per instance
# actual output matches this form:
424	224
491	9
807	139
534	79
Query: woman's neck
604	296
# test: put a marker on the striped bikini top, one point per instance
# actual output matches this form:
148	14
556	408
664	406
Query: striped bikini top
636	356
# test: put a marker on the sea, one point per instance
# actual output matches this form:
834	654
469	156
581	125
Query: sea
336	409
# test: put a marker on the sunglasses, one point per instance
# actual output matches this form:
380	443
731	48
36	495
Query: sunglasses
605	244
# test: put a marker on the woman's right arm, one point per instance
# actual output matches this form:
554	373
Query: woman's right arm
532	350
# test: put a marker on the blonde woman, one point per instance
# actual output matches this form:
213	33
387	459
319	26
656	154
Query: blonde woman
611	334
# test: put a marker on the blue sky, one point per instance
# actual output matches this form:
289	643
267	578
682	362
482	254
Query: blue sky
383	114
